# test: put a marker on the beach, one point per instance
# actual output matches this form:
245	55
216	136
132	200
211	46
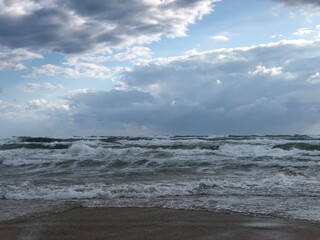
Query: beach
155	223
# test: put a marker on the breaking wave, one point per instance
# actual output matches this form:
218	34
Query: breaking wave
276	175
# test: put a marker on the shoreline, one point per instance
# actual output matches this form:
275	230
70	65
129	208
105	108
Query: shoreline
155	223
71	205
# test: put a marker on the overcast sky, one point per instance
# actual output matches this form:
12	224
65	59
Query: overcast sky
144	67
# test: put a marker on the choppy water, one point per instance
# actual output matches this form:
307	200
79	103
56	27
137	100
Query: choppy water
272	175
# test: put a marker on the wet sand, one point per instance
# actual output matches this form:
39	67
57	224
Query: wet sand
151	223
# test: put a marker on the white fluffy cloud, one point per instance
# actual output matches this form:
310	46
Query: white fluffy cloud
135	53
221	37
301	32
273	71
92	65
14	59
45	105
314	78
72	26
74	69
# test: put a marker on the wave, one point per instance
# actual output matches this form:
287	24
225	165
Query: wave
269	174
298	145
210	143
13	146
84	145
279	185
172	147
292	137
46	139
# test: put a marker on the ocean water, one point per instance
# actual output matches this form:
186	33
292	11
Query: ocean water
277	176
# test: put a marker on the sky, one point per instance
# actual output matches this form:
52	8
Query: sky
159	67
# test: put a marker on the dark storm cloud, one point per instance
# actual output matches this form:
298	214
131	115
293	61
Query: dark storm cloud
111	10
73	26
43	29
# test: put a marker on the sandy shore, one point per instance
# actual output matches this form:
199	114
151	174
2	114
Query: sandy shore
148	224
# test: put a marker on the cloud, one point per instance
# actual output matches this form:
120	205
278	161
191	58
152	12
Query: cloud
80	112
115	112
75	69
6	106
72	26
299	2
39	87
41	116
53	70
314	78
92	66
210	92
248	101
136	53
274	71
14	59
75	92
302	32
114	99
45	105
221	37
309	7
16	8
276	36
132	53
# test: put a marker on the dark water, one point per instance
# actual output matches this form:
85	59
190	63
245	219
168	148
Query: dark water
272	175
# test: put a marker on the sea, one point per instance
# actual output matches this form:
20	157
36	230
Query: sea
275	176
